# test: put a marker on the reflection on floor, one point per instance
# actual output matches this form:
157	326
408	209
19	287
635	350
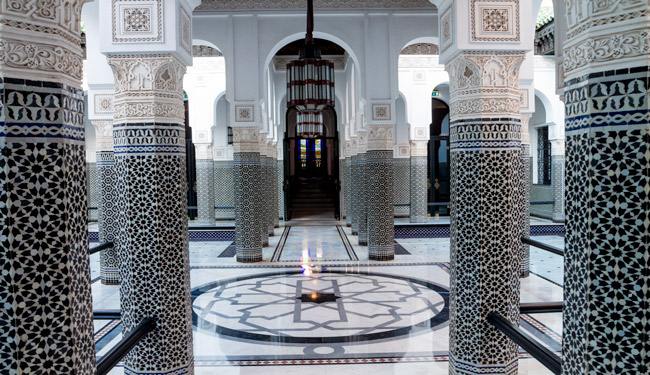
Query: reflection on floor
316	301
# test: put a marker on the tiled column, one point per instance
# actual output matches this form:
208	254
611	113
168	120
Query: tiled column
246	178
268	190
607	252
485	209
149	146
401	181
524	195
379	194
347	191
224	199
204	184
343	183
280	189
418	183
275	187
108	208
362	192
557	179
46	315
355	193
263	194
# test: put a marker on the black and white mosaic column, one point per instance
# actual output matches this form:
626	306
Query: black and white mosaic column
379	193
355	194
246	178
108	208
280	192
204	184
149	146
557	179
418	182
362	192
46	309
401	183
263	193
524	193
347	191
485	209
268	190
606	320
224	198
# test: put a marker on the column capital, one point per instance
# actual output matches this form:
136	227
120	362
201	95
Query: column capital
246	139
42	41
203	151
419	148
148	88
485	83
380	137
103	134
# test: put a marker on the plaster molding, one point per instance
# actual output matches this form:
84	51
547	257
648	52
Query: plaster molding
103	135
419	148
246	139
380	137
485	84
41	40
148	88
225	5
203	151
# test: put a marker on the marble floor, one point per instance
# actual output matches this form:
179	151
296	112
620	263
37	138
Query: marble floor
318	304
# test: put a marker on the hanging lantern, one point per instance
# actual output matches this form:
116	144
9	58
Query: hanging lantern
310	79
310	124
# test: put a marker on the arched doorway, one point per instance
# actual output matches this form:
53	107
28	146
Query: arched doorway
312	170
438	161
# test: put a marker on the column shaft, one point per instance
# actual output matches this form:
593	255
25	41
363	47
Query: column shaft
485	211
246	181
606	319
150	170
46	315
355	193
418	183
557	180
108	210
379	198
524	193
204	184
347	191
224	199
280	190
363	190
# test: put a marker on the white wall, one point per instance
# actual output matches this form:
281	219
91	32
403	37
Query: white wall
204	81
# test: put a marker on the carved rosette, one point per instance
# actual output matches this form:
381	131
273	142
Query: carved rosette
485	84
55	24
148	89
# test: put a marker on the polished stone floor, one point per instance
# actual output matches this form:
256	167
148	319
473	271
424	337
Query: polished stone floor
317	304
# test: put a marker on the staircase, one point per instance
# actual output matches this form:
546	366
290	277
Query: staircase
312	198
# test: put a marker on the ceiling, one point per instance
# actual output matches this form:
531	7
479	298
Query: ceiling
237	5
